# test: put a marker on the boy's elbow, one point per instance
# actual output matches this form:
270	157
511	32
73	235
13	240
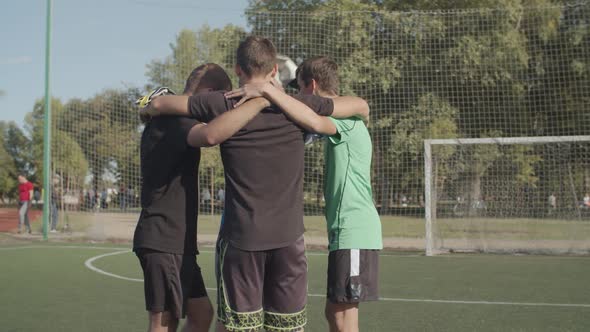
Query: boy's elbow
365	109
211	139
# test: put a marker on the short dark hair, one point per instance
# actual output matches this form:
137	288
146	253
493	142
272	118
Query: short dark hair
323	70
207	76
256	56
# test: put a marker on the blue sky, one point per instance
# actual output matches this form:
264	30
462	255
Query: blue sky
95	44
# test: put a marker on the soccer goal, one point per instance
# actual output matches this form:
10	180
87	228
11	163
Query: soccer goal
509	195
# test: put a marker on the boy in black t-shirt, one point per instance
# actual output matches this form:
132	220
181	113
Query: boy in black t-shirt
165	237
260	256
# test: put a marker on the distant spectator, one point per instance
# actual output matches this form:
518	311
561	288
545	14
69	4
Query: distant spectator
103	199
123	198
91	198
54	204
130	197
36	197
25	193
205	196
552	202
587	200
221	196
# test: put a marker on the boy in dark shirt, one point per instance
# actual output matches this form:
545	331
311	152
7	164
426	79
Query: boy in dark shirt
165	237
261	264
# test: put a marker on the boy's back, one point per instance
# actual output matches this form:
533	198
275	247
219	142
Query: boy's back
169	187
263	165
353	221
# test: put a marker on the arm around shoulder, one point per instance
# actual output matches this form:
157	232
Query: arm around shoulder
169	105
226	125
348	106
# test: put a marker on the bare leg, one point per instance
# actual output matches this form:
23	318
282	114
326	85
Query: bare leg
199	314
162	322
342	317
219	327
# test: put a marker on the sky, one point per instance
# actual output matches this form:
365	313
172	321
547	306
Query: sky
95	44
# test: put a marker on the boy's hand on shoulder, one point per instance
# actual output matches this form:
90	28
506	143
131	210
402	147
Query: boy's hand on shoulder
248	91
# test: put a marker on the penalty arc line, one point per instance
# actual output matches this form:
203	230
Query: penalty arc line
91	260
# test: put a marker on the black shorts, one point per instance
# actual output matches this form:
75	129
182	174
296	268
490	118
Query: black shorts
257	289
353	276
169	280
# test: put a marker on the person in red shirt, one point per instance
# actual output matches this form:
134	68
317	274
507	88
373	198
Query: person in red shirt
25	193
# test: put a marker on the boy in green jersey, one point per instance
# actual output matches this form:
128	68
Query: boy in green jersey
354	227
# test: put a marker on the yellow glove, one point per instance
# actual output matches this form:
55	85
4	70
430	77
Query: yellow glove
147	99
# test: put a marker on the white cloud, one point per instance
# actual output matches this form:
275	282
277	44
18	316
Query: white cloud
19	60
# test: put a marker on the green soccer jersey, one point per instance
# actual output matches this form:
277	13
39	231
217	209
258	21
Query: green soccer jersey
353	221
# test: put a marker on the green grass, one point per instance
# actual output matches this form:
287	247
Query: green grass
50	289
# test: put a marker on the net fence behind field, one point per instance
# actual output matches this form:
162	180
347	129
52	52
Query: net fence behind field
513	71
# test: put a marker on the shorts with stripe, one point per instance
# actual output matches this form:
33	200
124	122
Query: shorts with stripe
261	289
353	276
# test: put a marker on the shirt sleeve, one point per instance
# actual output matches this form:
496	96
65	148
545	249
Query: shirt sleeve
344	129
320	105
184	127
207	106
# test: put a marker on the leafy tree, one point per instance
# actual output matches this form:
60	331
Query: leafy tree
8	172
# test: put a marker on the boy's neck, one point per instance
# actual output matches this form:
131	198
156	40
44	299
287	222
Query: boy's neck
254	80
326	95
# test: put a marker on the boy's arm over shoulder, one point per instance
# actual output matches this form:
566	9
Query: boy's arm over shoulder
349	106
208	105
341	107
226	125
202	106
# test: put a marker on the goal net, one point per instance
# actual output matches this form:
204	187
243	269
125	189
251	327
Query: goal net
520	194
518	69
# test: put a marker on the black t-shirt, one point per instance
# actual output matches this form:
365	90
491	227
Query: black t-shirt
263	165
169	192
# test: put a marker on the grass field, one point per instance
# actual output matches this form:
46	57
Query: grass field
47	287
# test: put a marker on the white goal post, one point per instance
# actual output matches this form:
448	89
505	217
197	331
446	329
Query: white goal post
430	188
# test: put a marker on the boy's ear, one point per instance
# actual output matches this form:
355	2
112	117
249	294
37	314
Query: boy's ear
275	70
238	70
314	85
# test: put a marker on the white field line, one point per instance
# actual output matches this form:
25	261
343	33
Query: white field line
200	251
89	265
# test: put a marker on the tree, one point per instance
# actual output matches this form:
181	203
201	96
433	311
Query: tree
8	172
191	49
500	68
17	145
67	159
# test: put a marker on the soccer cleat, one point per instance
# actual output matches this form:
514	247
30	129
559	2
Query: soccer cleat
147	99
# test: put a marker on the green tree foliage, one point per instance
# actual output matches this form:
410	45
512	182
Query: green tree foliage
190	50
68	159
17	145
8	171
489	68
